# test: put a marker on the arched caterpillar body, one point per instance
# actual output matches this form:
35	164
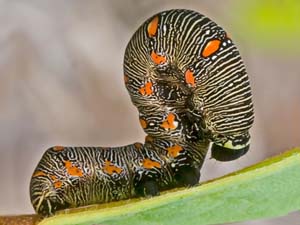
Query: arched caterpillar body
190	86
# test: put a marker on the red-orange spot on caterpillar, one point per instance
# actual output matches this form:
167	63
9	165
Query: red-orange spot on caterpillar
143	123
53	177
174	150
109	168
58	184
138	145
189	78
38	174
58	148
158	59
148	138
146	89
211	47
150	164
152	27
126	79
170	122
73	170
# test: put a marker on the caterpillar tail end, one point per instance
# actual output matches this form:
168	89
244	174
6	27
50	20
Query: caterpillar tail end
44	198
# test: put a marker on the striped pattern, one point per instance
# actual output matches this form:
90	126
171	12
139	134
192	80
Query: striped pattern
190	86
89	175
92	187
197	48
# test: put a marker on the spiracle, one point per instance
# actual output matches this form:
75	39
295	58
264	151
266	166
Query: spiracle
191	88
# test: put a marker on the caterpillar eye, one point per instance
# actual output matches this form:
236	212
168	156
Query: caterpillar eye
228	152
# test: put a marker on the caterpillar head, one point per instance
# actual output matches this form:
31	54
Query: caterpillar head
230	147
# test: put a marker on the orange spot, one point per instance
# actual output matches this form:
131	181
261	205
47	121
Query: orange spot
57	184
110	168
152	27
158	59
189	78
53	177
211	47
38	174
143	123
149	164
73	170
169	123
146	89
126	79
148	138
58	148
138	145
174	150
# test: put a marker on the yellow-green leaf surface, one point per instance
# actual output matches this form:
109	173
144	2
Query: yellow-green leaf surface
268	189
271	24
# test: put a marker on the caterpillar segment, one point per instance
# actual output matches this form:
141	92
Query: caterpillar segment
190	86
78	176
184	49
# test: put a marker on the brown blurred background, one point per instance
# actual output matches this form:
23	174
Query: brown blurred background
61	80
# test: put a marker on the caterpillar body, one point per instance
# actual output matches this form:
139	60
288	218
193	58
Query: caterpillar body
190	86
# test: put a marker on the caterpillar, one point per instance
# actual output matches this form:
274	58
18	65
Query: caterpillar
190	86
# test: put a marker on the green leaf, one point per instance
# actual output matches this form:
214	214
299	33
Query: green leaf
268	189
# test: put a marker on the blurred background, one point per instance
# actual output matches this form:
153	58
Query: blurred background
61	80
